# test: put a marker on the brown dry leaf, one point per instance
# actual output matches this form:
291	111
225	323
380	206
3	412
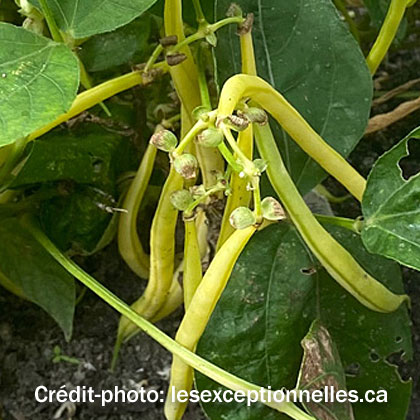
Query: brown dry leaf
381	121
394	92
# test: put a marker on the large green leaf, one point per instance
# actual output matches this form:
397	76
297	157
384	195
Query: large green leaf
84	18
38	82
276	290
28	268
305	51
322	369
391	208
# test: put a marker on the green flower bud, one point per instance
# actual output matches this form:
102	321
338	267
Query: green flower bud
261	165
197	191
201	113
211	137
164	140
186	165
181	199
254	115
272	209
242	217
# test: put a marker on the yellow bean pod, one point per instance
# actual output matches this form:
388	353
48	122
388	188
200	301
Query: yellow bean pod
198	314
338	262
387	33
242	86
129	245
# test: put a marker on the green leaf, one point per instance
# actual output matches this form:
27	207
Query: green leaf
77	220
84	18
38	277
267	309
306	52
38	82
322	369
122	46
391	208
88	155
80	168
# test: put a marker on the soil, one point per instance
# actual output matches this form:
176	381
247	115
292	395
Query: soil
28	336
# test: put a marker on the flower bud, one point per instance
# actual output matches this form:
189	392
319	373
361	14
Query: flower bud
164	140
242	217
261	165
197	191
254	115
186	165
201	113
210	137
272	209
181	199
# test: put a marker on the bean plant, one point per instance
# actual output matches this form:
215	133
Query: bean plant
191	136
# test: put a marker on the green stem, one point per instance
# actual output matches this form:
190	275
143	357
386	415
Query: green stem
153	58
350	224
230	159
213	372
202	81
87	84
205	31
52	25
201	19
387	34
202	199
94	96
14	155
189	137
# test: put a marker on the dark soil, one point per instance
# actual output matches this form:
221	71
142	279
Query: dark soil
28	337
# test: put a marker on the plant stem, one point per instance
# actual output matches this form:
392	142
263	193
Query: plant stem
230	159
350	224
202	81
189	137
198	363
201	19
94	96
205	31
52	25
87	84
387	34
153	58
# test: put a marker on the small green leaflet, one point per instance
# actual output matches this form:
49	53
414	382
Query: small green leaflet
306	52
322	369
29	269
38	82
268	308
391	207
84	18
